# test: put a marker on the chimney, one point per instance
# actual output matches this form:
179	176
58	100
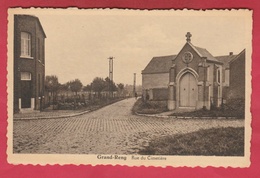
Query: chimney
230	53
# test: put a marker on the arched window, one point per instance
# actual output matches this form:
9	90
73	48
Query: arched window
25	44
218	76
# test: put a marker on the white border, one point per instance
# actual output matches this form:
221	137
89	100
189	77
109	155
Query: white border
175	161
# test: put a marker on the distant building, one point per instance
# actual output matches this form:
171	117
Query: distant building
194	78
29	63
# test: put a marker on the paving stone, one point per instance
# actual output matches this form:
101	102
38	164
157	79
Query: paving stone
112	129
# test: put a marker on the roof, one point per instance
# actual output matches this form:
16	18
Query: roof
159	64
226	59
243	52
38	21
162	64
204	53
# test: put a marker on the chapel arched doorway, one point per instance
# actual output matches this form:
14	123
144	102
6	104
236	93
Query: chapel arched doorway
188	90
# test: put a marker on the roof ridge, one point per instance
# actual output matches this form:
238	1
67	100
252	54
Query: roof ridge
227	55
166	55
200	47
237	56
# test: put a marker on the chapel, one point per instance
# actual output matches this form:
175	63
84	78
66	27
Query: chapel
194	78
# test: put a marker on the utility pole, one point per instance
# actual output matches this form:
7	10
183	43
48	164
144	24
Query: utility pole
110	89
134	89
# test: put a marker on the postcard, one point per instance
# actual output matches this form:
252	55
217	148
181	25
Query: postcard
129	87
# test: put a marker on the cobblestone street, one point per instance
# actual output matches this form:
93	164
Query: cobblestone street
110	130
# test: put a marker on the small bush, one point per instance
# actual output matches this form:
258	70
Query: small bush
79	104
235	104
149	107
217	112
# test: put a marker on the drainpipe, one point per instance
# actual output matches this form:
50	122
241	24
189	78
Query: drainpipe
35	61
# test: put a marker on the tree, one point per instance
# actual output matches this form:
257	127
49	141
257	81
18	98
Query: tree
64	87
120	86
75	86
98	85
110	85
52	85
87	88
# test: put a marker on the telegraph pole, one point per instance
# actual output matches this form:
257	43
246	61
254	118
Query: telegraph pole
134	89
110	89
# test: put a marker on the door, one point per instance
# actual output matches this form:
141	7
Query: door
188	90
26	94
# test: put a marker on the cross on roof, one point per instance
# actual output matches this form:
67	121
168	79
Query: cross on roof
188	35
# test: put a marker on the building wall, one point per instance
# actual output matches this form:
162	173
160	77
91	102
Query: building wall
160	80
180	65
155	86
159	94
34	64
237	78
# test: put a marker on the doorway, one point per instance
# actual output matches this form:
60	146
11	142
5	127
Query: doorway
188	90
26	94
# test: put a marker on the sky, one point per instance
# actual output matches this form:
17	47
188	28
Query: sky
79	42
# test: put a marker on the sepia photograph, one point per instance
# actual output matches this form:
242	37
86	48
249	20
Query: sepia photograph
129	87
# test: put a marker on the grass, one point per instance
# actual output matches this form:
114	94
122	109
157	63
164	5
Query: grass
156	108
148	107
212	113
216	141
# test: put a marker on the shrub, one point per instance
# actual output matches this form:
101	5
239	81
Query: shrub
237	104
149	107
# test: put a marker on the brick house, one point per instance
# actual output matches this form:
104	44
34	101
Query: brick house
194	78
29	63
237	77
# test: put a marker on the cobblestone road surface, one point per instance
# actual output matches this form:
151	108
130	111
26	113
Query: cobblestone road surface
110	130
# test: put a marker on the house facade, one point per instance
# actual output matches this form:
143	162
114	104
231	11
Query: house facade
29	63
194	78
237	78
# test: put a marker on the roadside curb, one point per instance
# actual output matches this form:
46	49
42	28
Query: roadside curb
62	116
53	117
182	117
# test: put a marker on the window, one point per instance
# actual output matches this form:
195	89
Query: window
227	77
208	73
26	76
218	76
39	84
38	50
25	44
42	52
